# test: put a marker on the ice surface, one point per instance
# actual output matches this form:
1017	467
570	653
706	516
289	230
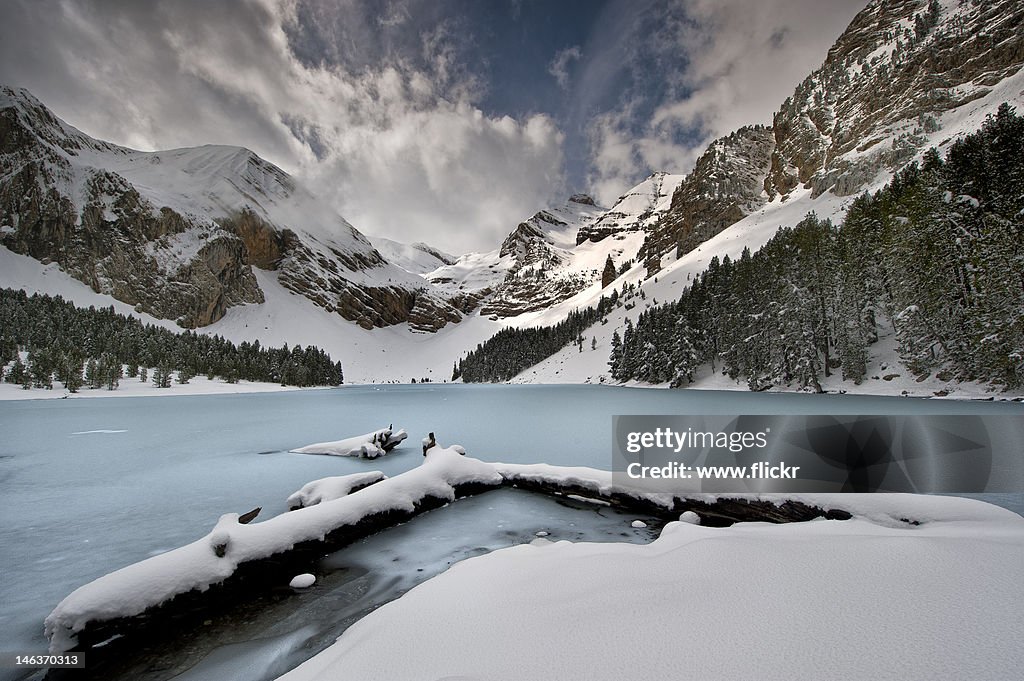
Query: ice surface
106	500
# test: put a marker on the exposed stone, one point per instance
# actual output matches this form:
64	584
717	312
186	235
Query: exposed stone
725	185
265	245
853	102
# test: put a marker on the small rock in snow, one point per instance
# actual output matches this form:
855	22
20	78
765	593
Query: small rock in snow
690	517
638	524
542	533
303	581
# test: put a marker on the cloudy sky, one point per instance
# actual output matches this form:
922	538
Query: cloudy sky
446	121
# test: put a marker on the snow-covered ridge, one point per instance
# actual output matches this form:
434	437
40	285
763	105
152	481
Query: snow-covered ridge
172	232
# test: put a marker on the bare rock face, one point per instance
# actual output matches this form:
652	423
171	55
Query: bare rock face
265	245
884	84
726	184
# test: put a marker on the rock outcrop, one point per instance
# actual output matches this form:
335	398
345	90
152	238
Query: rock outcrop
725	186
885	84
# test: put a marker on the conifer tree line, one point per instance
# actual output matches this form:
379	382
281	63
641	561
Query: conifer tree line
98	348
510	351
937	254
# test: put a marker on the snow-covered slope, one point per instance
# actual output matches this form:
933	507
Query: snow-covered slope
417	258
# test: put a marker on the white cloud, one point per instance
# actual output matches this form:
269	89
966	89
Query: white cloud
399	144
559	66
741	60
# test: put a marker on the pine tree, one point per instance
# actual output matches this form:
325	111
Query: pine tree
69	372
93	377
615	359
17	373
115	373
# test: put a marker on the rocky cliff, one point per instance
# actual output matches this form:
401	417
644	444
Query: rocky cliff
886	83
726	184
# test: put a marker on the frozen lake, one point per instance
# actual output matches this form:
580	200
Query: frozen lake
88	486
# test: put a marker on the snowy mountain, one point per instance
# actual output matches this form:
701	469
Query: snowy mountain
177	233
944	68
638	208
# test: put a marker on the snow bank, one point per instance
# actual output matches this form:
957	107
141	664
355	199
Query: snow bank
368	446
212	559
819	600
335	487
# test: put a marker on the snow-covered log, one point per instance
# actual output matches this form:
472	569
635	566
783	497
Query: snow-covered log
369	446
335	487
234	559
233	556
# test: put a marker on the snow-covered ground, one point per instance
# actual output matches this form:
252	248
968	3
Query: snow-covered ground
133	387
868	598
